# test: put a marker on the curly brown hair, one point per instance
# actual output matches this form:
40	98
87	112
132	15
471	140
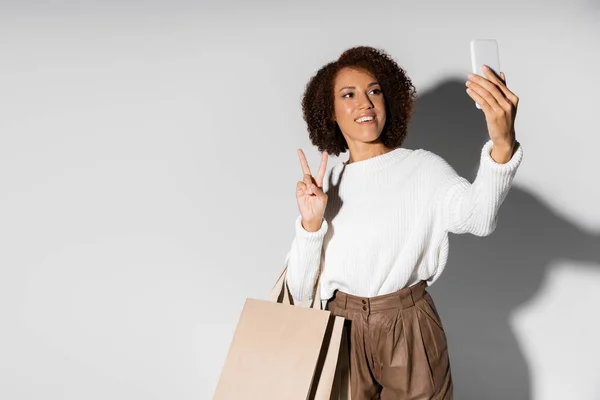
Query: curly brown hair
318	99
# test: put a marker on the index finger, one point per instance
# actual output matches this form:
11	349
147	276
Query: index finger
303	162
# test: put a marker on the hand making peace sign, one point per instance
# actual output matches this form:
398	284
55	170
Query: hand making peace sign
309	193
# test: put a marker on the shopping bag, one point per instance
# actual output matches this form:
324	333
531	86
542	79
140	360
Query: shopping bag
281	350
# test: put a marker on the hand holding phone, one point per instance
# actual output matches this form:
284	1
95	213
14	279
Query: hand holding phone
484	51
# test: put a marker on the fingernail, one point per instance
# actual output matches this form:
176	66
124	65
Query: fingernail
484	66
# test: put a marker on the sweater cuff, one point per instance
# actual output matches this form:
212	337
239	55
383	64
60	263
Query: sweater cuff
503	169
316	237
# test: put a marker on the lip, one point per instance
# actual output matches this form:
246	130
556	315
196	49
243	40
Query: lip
367	122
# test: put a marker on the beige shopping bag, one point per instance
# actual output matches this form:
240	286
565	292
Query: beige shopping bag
284	351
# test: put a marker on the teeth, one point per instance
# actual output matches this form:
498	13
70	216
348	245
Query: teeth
364	119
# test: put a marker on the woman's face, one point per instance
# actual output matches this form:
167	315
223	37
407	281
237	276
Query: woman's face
357	94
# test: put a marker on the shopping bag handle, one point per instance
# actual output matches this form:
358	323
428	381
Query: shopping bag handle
281	286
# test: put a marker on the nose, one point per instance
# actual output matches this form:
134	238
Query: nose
366	102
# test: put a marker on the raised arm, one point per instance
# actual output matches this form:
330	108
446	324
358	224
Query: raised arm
472	208
304	257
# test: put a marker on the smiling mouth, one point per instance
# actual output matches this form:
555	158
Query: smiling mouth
365	120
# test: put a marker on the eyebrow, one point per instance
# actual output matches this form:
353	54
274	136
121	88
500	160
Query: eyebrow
354	87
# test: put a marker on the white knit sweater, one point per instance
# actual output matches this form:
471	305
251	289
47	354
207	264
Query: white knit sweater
387	220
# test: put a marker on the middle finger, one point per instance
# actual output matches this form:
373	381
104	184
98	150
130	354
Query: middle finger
322	169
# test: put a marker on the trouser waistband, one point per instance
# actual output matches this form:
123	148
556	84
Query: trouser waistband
403	298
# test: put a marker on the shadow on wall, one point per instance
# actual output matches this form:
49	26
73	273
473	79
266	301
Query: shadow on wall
487	278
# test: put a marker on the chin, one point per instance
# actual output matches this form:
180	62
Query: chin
369	137
371	133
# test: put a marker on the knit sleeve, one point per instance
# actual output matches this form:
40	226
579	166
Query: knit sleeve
473	208
303	259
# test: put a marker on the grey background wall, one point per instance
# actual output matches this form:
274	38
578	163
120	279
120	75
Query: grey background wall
148	166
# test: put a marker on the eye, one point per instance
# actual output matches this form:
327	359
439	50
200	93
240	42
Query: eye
374	91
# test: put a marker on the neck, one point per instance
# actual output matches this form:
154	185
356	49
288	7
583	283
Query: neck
356	155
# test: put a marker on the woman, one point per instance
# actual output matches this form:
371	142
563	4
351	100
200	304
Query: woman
375	231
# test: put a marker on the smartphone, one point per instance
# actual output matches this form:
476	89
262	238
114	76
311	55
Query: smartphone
484	51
